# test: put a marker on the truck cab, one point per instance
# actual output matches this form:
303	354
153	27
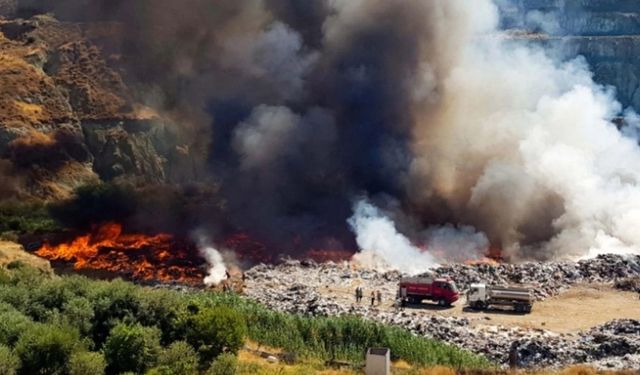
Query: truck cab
416	289
477	294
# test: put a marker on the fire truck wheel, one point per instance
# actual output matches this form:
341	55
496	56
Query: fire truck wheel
442	303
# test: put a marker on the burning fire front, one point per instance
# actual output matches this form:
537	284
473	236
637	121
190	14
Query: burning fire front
142	257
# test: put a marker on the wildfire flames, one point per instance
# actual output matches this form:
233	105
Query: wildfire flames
142	257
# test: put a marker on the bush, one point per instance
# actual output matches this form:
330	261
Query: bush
225	364
132	348
160	308
213	331
87	363
9	362
79	312
212	323
25	218
179	358
112	302
12	325
45	349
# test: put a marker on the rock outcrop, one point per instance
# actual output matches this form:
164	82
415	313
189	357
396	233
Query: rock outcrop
605	32
68	118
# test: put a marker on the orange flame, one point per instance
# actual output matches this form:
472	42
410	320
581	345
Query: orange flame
143	257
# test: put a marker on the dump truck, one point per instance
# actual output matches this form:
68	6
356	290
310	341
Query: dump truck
483	296
414	290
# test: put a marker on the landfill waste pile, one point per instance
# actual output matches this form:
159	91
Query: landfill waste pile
298	287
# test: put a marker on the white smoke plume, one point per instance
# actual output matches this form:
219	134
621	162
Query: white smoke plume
217	271
383	247
522	146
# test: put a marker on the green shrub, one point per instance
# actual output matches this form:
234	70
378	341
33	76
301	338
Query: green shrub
213	331
161	370
132	348
45	349
113	302
9	362
5	277
212	323
87	363
160	308
12	325
79	312
25	218
225	364
179	358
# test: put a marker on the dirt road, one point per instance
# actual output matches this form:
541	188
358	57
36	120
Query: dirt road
579	308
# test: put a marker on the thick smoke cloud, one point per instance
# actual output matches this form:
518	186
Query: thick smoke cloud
382	245
523	147
479	141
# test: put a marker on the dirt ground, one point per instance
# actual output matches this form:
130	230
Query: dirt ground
577	309
11	251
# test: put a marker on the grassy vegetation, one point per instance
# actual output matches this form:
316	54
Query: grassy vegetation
72	325
18	218
90	204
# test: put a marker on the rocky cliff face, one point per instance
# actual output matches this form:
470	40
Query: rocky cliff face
68	118
606	32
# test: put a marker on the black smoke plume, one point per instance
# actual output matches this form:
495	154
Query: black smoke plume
300	107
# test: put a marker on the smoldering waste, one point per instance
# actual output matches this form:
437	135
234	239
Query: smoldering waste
293	286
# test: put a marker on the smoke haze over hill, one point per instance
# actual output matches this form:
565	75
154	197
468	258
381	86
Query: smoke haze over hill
459	138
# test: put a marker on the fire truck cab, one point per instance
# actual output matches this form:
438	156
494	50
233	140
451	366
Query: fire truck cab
414	290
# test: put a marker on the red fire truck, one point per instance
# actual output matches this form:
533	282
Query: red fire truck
414	290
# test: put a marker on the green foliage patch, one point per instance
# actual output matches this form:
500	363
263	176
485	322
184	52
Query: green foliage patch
74	325
17	218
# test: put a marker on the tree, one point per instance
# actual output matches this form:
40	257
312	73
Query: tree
132	348
179	358
45	349
9	362
87	363
213	331
225	364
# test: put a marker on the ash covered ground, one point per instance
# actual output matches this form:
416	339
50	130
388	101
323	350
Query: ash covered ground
586	311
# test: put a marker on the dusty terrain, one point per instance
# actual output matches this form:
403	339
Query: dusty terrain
12	252
579	316
577	309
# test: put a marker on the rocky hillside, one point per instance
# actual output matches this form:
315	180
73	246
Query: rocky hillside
606	32
67	117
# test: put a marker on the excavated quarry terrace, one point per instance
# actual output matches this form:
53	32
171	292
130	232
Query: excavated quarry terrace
587	311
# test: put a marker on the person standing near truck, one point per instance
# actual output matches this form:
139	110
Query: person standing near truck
379	297
373	298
